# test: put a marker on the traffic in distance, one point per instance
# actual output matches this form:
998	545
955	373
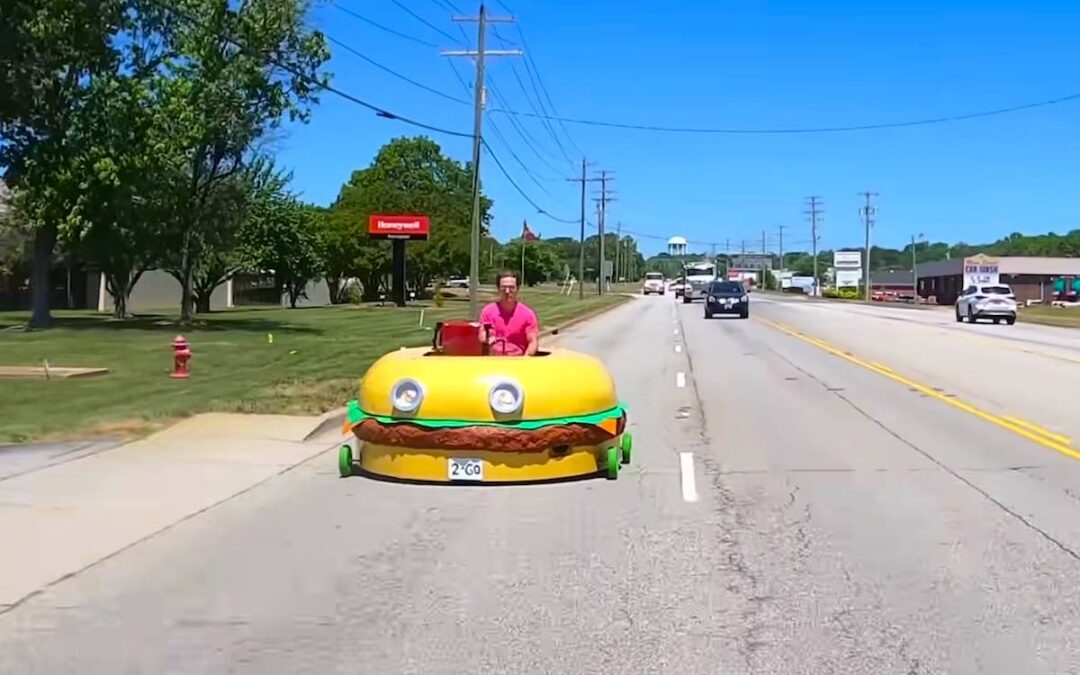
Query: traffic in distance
701	281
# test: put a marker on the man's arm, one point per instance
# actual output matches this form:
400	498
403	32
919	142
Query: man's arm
484	335
533	333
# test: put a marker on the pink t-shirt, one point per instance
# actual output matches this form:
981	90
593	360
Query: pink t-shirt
510	329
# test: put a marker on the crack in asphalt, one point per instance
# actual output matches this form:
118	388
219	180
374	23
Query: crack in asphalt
747	583
1062	546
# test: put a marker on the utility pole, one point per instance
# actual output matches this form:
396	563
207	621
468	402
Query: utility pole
815	215
601	204
744	247
781	230
482	21
763	266
867	212
581	242
618	249
915	270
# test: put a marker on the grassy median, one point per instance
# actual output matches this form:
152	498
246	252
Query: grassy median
311	366
1066	317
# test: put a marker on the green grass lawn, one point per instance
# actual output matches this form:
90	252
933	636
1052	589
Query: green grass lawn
312	366
1068	317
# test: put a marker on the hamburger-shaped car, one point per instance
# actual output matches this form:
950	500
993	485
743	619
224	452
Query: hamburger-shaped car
452	413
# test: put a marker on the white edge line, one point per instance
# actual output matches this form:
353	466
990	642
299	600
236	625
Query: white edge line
689	486
680	379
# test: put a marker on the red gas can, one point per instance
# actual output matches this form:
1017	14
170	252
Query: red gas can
458	338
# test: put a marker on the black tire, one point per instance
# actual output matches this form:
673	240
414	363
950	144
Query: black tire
1011	320
745	314
997	321
685	300
971	315
708	314
959	317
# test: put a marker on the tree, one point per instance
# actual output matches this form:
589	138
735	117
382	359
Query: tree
541	260
116	217
283	236
240	72
52	51
408	175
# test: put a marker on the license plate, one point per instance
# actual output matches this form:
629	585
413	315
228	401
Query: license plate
465	469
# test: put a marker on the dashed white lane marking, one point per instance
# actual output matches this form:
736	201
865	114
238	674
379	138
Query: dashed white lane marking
678	348
676	331
686	469
680	380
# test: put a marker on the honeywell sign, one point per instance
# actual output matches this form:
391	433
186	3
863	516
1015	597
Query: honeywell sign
398	227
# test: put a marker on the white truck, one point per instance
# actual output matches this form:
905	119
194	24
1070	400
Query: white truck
654	283
696	277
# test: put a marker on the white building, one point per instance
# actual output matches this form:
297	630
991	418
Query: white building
676	246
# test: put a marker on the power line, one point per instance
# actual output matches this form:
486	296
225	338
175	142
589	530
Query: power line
805	130
551	104
532	176
391	71
382	27
540	112
524	195
527	137
424	21
311	81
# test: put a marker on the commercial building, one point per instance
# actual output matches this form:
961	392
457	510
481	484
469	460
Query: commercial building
1031	278
895	282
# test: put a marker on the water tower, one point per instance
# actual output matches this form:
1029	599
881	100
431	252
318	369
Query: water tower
676	246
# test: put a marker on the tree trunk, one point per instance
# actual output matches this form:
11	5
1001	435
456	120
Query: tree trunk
186	297
44	243
202	303
119	286
333	285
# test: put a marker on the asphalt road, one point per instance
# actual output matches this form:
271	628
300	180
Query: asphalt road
822	488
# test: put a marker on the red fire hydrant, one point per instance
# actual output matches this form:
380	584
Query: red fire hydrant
181	356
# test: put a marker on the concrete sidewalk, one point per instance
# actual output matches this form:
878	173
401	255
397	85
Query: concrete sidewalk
59	519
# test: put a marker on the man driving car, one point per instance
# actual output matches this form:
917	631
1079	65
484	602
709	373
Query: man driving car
514	328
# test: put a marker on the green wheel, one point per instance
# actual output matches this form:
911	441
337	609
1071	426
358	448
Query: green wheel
345	461
626	444
613	463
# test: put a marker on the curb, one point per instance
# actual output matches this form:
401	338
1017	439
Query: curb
333	419
327	421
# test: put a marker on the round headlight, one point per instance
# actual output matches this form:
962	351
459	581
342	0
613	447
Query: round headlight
407	395
506	397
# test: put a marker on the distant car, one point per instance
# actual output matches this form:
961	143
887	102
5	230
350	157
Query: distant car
726	297
993	301
457	282
677	288
654	283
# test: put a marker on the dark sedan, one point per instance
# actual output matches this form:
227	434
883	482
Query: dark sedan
726	297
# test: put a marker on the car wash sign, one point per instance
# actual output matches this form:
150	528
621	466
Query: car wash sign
981	270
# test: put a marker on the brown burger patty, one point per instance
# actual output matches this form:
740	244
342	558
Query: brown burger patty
405	435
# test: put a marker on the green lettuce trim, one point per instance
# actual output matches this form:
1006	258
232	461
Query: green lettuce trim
356	415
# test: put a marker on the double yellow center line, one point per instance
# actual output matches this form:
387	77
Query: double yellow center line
1020	427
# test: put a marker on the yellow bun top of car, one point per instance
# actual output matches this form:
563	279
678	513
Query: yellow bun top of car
558	383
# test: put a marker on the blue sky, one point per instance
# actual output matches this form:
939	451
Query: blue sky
743	65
